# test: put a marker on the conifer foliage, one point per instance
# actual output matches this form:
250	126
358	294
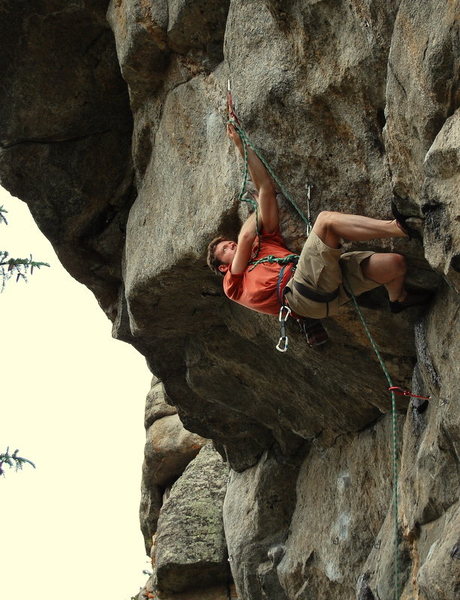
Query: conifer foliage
13	461
18	268
15	267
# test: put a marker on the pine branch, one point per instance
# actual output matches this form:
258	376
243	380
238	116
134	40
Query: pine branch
2	215
13	461
18	267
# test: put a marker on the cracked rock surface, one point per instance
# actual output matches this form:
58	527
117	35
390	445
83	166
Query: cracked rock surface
112	129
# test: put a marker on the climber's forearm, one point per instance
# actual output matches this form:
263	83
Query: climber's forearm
248	230
259	175
269	218
246	239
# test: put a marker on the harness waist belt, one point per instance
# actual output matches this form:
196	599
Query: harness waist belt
315	295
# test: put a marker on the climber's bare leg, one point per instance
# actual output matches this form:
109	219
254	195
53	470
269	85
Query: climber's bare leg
331	227
388	269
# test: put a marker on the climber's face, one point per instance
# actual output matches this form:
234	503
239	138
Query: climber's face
225	253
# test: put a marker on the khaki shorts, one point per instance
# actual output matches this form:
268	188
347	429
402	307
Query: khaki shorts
322	269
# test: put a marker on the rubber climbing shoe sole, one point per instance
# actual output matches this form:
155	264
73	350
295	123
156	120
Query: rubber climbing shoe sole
410	225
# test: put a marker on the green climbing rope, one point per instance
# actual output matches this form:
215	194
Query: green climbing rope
247	142
394	428
283	260
244	193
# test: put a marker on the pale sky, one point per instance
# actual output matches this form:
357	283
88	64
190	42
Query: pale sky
72	400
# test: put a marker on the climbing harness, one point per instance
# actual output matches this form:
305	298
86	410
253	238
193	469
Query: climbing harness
285	311
316	295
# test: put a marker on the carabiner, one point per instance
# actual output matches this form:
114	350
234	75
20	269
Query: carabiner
281	317
283	344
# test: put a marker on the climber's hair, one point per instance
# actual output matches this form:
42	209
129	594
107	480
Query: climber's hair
212	260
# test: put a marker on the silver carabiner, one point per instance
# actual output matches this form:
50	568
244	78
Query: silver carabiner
283	344
283	318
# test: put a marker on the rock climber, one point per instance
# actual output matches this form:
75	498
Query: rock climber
314	286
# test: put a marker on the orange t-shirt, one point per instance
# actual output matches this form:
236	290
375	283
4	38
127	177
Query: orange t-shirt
256	287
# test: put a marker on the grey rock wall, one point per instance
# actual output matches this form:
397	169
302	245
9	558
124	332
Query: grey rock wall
112	130
190	549
65	134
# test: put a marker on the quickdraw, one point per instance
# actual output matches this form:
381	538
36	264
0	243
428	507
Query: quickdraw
283	316
230	108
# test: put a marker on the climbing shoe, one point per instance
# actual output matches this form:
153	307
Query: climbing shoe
413	298
314	332
410	225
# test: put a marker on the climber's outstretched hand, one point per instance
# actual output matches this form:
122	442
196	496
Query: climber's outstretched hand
234	136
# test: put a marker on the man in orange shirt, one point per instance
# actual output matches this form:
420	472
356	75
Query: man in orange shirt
314	287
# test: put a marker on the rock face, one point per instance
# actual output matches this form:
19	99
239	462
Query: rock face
65	111
112	130
190	549
169	448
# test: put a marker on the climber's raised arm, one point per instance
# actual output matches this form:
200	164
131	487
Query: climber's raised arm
268	206
246	238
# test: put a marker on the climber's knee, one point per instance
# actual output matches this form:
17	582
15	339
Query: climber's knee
399	264
324	228
324	220
384	267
